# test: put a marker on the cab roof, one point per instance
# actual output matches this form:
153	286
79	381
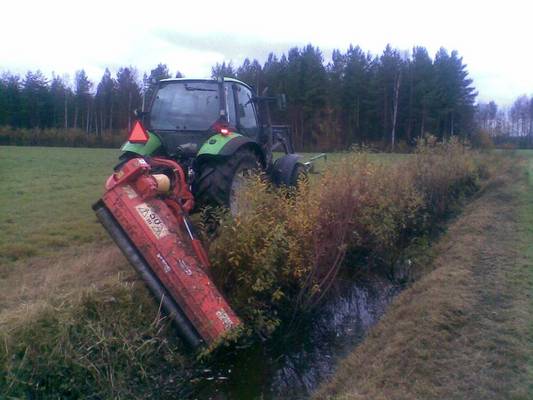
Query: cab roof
205	80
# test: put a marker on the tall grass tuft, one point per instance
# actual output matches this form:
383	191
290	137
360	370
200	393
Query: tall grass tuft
104	343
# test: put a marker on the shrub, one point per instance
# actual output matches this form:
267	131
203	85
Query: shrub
482	140
443	171
280	256
59	137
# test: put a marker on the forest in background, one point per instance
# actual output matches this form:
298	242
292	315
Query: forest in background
385	100
511	125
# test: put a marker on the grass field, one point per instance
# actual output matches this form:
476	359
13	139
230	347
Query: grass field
464	330
46	198
526	231
47	194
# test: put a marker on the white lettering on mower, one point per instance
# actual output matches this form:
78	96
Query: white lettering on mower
166	265
185	267
154	222
224	317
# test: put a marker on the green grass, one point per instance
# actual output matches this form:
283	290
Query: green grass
47	194
526	225
46	198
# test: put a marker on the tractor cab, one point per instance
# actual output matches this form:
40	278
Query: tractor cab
218	130
185	113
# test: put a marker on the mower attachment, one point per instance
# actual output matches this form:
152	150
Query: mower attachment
146	215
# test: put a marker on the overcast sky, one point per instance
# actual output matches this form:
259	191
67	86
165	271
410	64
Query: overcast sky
494	37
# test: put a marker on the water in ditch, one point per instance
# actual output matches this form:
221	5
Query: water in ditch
294	367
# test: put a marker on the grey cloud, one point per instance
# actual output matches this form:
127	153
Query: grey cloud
231	46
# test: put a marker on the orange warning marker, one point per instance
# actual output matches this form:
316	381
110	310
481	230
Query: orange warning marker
138	134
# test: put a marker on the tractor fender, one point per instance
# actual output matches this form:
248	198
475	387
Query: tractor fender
282	172
143	149
225	146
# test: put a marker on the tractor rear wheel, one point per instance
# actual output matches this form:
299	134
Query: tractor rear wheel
221	179
299	175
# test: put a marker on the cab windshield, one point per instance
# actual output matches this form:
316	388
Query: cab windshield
185	106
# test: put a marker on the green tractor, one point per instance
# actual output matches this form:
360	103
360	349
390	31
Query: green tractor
219	132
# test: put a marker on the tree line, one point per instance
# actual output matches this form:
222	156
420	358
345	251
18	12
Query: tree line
513	124
357	98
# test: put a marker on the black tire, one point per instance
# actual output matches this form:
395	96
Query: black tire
214	184
299	175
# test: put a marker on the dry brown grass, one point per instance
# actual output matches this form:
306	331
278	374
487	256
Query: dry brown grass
77	326
460	332
29	285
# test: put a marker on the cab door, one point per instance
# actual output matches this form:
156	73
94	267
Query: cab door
246	115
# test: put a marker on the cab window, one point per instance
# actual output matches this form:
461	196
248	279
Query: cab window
245	111
230	105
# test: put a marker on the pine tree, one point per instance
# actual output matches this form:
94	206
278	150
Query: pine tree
61	96
275	79
150	82
128	96
105	102
82	100
37	104
252	74
388	79
422	92
307	89
223	70
334	112
455	94
355	95
11	100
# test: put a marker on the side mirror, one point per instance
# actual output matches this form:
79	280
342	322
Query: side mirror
282	101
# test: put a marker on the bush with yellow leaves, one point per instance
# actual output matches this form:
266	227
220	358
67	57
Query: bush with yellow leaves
281	254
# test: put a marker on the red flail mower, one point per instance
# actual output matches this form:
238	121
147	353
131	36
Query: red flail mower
147	215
